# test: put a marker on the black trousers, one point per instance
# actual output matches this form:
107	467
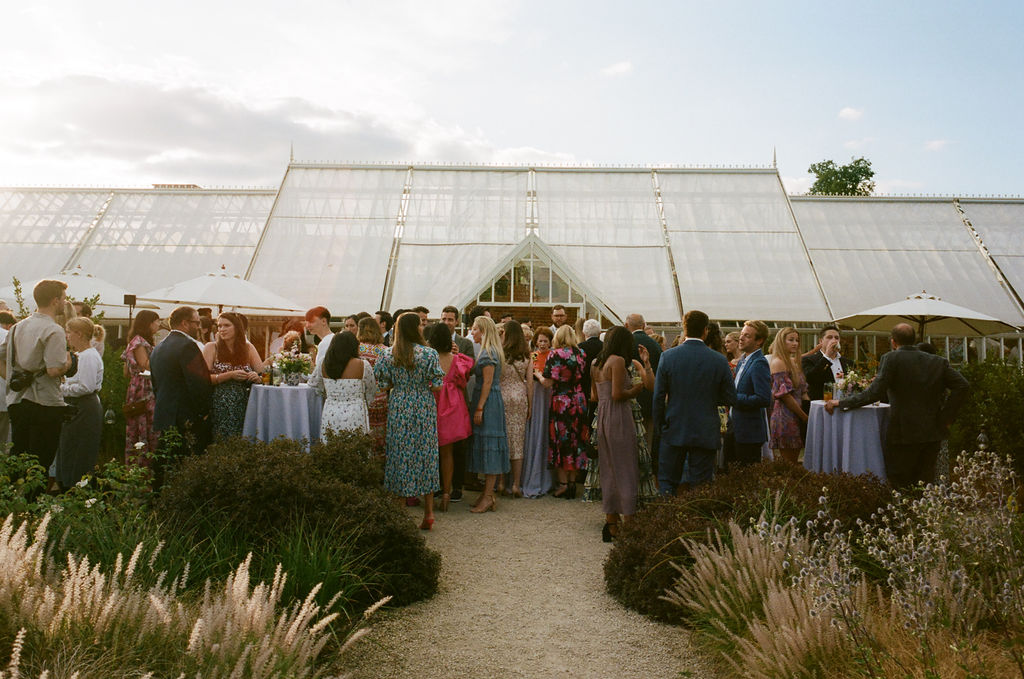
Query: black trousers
459	451
747	453
908	463
35	429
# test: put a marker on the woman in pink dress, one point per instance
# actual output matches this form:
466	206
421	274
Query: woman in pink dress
139	428
371	348
789	388
452	412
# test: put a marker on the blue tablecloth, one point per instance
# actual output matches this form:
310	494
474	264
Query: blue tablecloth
292	412
850	441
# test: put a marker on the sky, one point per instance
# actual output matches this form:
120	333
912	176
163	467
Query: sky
111	93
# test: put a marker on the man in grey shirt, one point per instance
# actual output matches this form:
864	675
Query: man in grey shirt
38	345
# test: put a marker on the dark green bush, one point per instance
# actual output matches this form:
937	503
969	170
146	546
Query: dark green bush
639	568
251	494
995	406
112	395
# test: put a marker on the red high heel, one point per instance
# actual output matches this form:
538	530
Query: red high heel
428	523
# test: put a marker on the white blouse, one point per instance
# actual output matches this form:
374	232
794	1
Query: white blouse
89	377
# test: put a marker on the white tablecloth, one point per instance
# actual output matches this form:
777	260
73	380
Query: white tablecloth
850	441
292	412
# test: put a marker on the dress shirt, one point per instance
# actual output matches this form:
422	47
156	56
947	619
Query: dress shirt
316	380
88	379
837	366
741	365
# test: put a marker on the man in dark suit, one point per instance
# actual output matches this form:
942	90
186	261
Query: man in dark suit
691	382
753	395
591	347
635	324
916	383
181	382
824	363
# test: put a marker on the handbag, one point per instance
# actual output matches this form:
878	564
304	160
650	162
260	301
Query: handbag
20	379
135	408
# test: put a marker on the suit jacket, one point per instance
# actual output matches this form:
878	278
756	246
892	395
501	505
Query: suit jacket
181	383
654	351
591	348
916	383
753	396
691	382
818	371
465	345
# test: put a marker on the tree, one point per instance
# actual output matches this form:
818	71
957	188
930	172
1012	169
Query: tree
852	179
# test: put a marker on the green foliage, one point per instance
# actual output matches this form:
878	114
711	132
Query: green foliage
994	405
112	395
19	298
261	491
852	179
639	568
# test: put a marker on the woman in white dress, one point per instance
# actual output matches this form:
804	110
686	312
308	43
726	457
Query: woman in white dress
350	386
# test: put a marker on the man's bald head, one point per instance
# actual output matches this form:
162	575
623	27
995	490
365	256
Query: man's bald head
635	322
902	335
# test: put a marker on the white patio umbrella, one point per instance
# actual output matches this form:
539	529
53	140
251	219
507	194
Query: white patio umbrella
928	312
82	285
222	289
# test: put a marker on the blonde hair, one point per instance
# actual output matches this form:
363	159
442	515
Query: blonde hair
565	337
778	350
82	325
489	340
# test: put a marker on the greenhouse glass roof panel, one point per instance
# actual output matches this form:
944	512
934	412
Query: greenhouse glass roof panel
341	193
1001	228
437	275
151	239
627	280
584	207
724	201
466	206
739	276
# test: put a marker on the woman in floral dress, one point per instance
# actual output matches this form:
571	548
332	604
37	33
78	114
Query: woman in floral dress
412	372
371	348
517	394
139	428
234	365
568	427
789	388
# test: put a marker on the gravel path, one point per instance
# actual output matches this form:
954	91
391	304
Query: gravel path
522	595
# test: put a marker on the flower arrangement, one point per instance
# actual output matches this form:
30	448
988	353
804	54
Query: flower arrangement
854	382
292	362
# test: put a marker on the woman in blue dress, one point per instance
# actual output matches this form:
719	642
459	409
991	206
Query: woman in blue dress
490	441
412	372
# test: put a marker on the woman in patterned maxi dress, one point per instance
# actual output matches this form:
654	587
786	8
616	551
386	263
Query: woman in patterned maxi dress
140	387
517	394
568	427
234	365
412	372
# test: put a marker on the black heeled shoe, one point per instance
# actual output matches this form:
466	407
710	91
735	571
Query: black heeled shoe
570	493
606	532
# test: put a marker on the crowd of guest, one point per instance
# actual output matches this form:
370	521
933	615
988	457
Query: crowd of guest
524	411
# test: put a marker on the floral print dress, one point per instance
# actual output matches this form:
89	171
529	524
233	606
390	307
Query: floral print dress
568	429
228	402
140	388
785	426
410	466
371	353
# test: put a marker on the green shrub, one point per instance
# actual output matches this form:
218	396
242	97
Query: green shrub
993	405
639	568
254	494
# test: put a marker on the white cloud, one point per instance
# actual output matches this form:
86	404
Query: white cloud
891	186
797	185
935	144
617	69
134	133
856	144
850	113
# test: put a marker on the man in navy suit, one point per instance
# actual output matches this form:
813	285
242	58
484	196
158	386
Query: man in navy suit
691	382
916	383
753	394
181	382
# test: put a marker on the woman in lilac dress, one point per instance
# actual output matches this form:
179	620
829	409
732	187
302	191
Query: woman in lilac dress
536	477
568	428
789	388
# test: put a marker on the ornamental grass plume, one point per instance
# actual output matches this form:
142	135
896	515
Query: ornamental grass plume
106	619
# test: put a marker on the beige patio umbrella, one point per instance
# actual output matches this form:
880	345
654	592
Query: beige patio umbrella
222	289
928	312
